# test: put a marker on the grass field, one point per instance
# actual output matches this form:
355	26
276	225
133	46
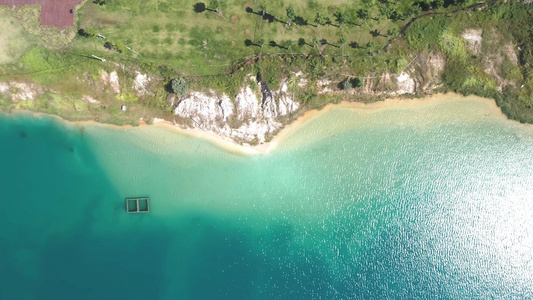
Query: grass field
172	33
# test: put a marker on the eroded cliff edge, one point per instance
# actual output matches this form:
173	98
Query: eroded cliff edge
257	111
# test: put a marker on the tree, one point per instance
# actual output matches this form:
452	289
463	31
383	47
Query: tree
214	5
347	85
320	19
370	45
392	32
180	87
357	83
120	47
385	11
363	14
412	12
342	41
316	42
351	16
394	15
199	7
301	42
462	2
100	2
290	14
109	45
437	4
299	20
375	33
340	17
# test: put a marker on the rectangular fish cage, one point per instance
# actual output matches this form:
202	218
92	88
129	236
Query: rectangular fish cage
137	205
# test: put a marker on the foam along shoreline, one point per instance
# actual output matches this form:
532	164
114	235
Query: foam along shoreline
234	147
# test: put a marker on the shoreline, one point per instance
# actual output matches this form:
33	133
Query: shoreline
246	149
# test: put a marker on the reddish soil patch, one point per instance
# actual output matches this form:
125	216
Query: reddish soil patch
53	12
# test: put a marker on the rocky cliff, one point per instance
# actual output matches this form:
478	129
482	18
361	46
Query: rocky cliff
251	117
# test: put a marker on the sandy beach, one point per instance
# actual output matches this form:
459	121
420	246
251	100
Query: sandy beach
246	149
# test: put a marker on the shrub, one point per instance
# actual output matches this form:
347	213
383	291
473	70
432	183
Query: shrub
127	97
357	83
452	45
180	87
346	85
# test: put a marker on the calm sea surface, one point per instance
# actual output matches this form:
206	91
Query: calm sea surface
431	201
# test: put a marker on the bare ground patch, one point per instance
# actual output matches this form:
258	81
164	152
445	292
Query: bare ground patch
13	39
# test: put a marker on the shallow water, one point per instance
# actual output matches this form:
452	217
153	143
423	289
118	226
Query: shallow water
416	201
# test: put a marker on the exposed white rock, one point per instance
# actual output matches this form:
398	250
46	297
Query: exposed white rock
140	83
323	86
112	80
3	87
474	39
20	91
286	103
302	82
406	84
206	110
253	118
23	91
248	106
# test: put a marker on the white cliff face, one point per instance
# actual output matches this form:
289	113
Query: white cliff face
406	84
111	80
253	118
207	111
140	83
248	105
20	91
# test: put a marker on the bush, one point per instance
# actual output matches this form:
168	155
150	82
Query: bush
347	85
127	97
452	44
180	87
357	83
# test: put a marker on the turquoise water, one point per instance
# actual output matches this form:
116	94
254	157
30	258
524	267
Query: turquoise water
416	201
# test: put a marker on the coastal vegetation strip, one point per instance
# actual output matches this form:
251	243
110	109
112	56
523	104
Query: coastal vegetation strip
343	51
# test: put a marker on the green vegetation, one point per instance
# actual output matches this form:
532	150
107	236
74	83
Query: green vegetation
14	40
217	44
180	86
